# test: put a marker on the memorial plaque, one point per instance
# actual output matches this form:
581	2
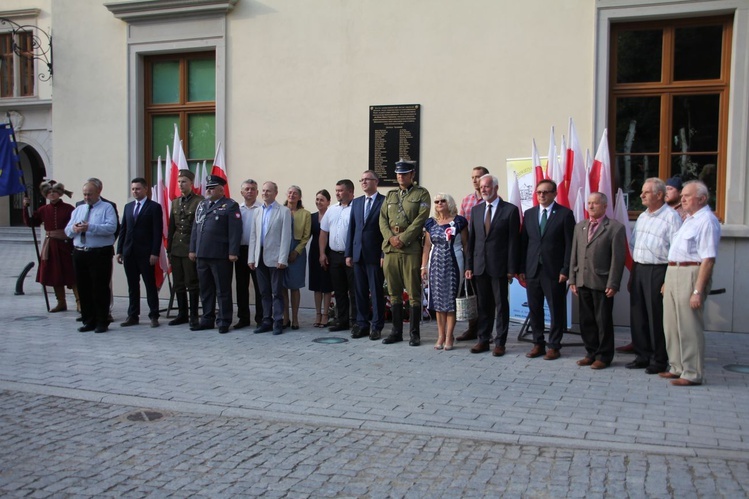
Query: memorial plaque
393	134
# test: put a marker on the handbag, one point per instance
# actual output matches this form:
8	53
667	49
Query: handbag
466	307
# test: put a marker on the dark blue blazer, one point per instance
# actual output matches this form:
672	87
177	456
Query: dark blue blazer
554	248
141	237
364	242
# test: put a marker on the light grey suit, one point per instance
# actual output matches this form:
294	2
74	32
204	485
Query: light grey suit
596	265
266	254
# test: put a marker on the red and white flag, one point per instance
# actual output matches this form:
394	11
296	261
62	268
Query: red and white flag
219	167
197	186
600	175
159	195
621	216
575	173
538	171
579	208
514	195
179	162
560	171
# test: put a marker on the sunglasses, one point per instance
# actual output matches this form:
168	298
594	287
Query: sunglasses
439	201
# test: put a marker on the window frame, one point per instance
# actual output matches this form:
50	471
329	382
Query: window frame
23	69
667	88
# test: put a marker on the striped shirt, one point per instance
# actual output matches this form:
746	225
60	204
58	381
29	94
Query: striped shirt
651	236
697	239
468	203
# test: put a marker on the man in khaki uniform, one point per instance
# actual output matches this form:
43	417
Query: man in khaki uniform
402	219
184	270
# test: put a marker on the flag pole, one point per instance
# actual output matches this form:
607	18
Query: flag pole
28	208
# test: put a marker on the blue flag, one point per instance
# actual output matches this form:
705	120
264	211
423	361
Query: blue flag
10	172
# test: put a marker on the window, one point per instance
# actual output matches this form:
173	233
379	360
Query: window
16	73
181	89
668	106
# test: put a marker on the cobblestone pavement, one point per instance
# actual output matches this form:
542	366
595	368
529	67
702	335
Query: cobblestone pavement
447	419
59	447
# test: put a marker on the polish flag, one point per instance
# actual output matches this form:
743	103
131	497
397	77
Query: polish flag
537	170
514	196
600	175
179	162
575	172
579	208
621	216
219	167
560	172
197	186
159	195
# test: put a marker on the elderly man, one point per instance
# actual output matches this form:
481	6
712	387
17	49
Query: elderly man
466	206
270	241
242	272
492	259
334	231
691	259
364	254
596	267
214	244
651	240
184	270
92	227
138	248
402	217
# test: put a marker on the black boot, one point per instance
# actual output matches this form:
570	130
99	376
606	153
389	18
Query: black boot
414	329
194	304
396	333
181	309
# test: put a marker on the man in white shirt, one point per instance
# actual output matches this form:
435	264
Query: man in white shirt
334	230
242	271
691	259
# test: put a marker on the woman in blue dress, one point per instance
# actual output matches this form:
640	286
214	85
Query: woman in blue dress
301	226
442	263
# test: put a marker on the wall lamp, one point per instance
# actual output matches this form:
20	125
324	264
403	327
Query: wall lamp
41	44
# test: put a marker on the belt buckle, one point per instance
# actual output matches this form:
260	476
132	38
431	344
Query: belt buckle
396	230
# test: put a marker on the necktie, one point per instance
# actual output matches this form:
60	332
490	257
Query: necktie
210	205
367	207
592	229
544	218
488	219
85	219
136	212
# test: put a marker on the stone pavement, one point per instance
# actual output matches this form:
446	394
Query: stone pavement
255	414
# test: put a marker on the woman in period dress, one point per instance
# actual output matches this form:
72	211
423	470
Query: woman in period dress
319	278
56	265
442	263
294	280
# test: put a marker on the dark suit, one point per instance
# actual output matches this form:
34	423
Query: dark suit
491	257
216	234
364	247
140	238
596	265
543	258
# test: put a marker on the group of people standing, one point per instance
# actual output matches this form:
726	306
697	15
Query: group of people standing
363	247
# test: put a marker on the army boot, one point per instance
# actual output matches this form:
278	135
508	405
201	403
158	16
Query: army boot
181	309
396	333
194	304
415	335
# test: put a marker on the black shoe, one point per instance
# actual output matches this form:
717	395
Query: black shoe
415	340
242	323
131	321
277	329
263	328
393	338
359	332
223	329
339	327
376	334
155	322
286	326
101	329
637	364
86	328
201	327
178	320
79	319
655	370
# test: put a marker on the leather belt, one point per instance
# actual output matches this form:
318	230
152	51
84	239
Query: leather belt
86	248
683	264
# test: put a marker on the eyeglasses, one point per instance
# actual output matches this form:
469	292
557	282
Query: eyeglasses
543	193
361	181
439	201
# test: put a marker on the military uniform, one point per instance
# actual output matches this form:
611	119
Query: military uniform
184	270
216	234
403	214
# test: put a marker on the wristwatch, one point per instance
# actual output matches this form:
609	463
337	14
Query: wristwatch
695	292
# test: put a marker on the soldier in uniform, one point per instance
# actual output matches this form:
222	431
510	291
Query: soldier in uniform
184	271
214	244
402	219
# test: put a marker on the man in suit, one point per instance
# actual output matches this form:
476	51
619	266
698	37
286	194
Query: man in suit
364	254
214	244
545	246
268	256
142	230
492	260
242	271
596	267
